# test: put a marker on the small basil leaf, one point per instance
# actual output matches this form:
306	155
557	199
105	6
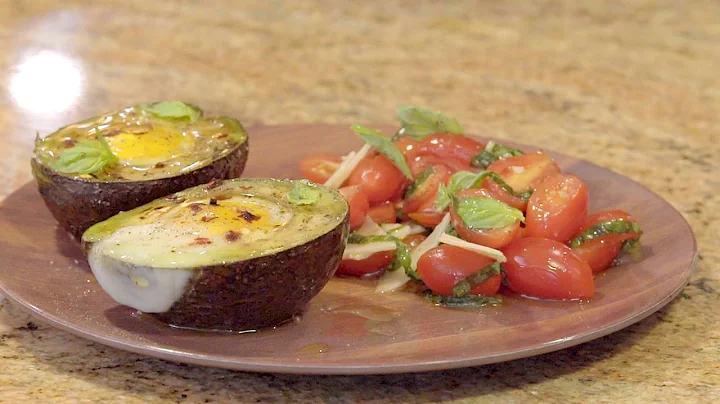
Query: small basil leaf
418	122
465	180
173	110
86	157
464	301
464	287
385	146
617	226
485	213
492	153
303	193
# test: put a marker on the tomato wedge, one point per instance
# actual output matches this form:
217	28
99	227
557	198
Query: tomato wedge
367	266
521	173
547	269
359	205
320	166
444	266
600	252
450	146
423	196
378	177
493	238
557	208
384	213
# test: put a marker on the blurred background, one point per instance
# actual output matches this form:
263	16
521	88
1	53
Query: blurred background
633	86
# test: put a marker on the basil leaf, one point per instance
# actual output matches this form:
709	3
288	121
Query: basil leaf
402	252
617	226
418	182
86	157
463	301
303	193
173	110
464	287
462	180
385	146
485	213
492	153
418	122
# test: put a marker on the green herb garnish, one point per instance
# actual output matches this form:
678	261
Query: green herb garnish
485	213
303	193
173	110
86	157
617	226
462	180
402	252
418	122
463	287
463	301
419	181
492	153
385	146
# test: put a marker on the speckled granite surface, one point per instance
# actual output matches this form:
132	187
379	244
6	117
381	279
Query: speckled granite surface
633	86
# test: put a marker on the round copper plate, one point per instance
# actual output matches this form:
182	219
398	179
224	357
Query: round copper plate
347	328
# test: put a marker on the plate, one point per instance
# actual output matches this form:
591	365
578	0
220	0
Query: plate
347	328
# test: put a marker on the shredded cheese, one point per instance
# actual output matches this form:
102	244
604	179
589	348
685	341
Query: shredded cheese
497	255
346	168
361	251
402	230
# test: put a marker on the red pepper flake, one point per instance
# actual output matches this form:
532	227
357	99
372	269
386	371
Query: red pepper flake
213	202
201	241
222	197
196	207
68	143
249	217
245	187
221	136
208	218
232	235
213	184
159	165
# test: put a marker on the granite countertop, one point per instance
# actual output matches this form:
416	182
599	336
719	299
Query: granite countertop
633	86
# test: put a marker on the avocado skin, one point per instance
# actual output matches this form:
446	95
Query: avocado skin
260	292
77	204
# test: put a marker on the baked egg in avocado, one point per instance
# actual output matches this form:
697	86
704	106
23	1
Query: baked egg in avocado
93	169
230	255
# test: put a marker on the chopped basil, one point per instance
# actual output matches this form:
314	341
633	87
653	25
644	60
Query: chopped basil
462	180
86	157
402	252
618	226
385	146
464	287
418	122
463	301
303	193
492	153
173	110
485	213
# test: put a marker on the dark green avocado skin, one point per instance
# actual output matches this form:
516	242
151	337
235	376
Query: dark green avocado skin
260	292
78	204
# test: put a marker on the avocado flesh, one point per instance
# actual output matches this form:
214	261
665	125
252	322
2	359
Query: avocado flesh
148	147
151	257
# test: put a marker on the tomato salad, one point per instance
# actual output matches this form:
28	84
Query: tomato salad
464	219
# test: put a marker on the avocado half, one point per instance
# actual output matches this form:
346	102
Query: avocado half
156	150
231	255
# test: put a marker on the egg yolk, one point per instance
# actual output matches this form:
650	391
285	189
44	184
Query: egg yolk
150	147
218	219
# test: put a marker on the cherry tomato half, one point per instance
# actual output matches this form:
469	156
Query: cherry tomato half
425	194
378	177
413	240
493	238
384	213
450	146
600	252
444	266
547	269
521	173
319	167
557	208
359	206
369	265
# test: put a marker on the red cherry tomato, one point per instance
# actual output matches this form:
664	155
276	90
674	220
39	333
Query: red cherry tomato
547	269
319	167
378	177
384	213
521	173
600	252
427	219
557	208
413	240
408	147
450	146
359	206
443	267
424	195
493	238
423	161
369	265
